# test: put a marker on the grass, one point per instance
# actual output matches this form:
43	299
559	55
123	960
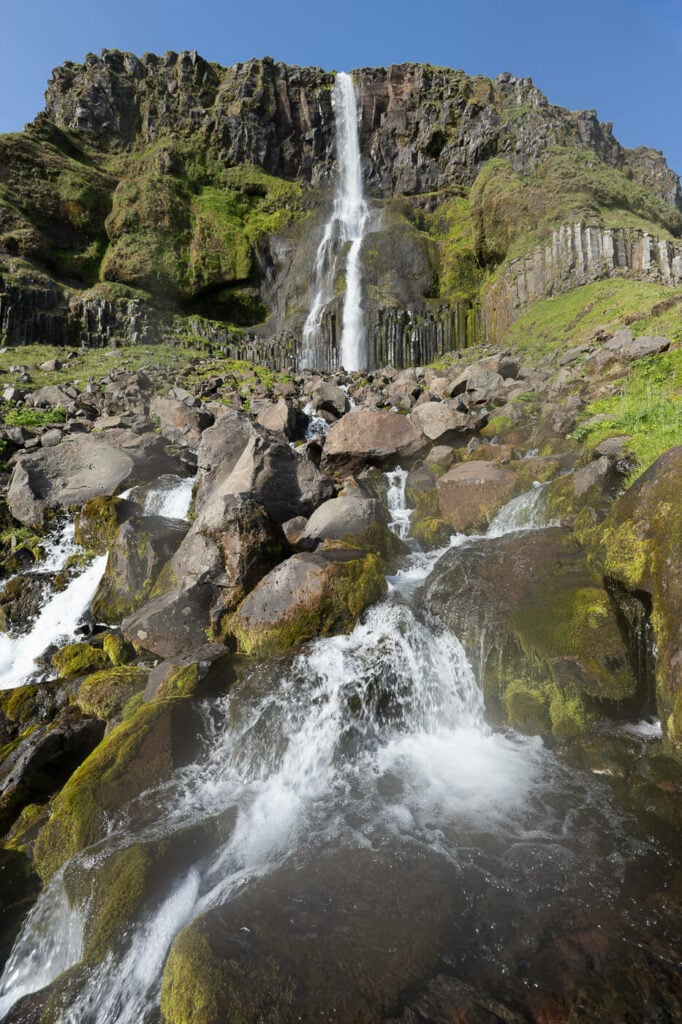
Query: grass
573	319
31	417
648	407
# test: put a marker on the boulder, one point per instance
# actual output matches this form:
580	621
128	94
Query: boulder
219	451
471	493
327	398
180	423
638	547
185	675
51	397
81	467
628	347
353	521
279	417
441	422
173	623
140	551
105	694
539	625
272	955
308	595
368	437
43	760
141	752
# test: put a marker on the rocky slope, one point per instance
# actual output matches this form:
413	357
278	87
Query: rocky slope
176	197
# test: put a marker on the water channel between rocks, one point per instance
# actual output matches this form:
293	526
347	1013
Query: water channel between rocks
353	815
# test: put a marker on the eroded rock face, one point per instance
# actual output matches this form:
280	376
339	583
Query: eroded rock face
539	626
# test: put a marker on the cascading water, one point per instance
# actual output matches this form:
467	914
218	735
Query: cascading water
347	226
374	740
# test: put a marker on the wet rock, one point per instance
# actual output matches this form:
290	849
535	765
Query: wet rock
43	760
179	422
19	889
471	493
308	595
140	752
639	545
99	520
365	437
446	1000
539	624
140	551
294	961
584	497
21	599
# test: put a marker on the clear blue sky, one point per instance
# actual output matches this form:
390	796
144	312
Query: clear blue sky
621	57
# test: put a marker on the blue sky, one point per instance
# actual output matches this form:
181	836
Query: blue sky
620	57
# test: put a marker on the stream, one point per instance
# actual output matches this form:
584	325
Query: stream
375	745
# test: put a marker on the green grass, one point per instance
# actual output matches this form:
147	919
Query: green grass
648	407
572	319
32	417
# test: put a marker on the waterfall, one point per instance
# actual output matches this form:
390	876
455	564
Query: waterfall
375	738
347	226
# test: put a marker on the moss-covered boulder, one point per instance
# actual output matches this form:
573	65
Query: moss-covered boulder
98	522
116	649
141	549
138	754
104	694
308	595
351	521
206	669
294	962
78	659
639	546
584	497
540	628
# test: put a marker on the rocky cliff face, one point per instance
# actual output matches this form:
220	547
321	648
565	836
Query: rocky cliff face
170	188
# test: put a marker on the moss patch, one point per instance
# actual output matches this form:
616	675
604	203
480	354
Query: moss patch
104	694
78	659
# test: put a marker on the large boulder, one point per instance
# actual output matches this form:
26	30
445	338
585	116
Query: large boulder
639	549
142	548
219	450
43	760
279	417
308	595
352	521
141	752
294	962
442	422
538	624
329	400
81	467
370	437
175	622
285	483
471	493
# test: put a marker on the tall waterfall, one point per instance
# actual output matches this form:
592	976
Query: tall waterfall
347	224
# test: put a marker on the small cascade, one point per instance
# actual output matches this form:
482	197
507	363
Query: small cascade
171	496
396	500
317	425
346	227
525	512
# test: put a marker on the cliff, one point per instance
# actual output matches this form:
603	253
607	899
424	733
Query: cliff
168	194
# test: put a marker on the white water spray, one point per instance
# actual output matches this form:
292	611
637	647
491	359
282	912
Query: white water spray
348	224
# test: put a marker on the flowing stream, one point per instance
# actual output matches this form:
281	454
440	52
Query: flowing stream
64	610
372	740
346	227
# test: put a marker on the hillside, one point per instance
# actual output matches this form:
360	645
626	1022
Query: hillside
166	196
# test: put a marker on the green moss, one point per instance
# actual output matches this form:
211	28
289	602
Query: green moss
104	694
350	587
526	705
181	683
117	650
118	891
20	704
194	989
569	715
77	659
131	758
98	522
26	827
430	532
